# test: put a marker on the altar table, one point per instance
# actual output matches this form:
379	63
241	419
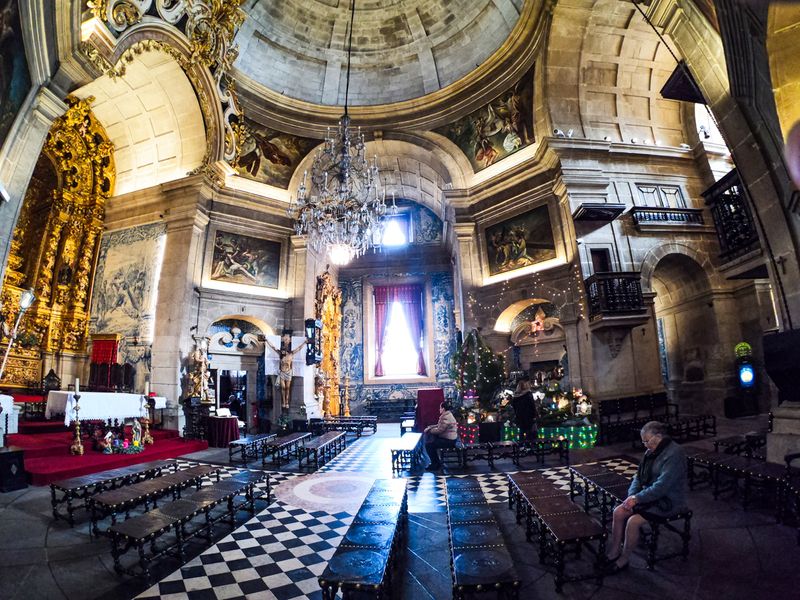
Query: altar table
222	431
99	405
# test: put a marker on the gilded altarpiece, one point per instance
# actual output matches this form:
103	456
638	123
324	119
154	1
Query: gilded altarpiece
55	241
328	308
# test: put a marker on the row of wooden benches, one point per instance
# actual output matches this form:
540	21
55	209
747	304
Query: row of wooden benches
183	518
621	418
297	445
406	451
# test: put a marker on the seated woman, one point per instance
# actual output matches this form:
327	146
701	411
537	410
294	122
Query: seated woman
442	435
658	490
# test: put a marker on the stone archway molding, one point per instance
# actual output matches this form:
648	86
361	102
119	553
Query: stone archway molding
201	43
655	255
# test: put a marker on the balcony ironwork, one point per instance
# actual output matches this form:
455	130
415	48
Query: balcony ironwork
616	293
656	216
733	221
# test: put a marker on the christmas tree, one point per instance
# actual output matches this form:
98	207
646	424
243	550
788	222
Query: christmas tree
477	370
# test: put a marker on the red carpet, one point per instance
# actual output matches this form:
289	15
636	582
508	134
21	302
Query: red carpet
47	457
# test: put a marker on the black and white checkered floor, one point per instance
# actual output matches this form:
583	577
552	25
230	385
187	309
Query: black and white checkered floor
279	553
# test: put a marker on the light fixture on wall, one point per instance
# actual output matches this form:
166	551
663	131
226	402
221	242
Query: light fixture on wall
341	208
25	302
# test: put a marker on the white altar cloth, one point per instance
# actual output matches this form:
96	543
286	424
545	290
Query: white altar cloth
9	411
99	405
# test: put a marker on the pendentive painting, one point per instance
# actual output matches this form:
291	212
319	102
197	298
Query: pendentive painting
271	156
497	129
520	242
244	259
15	80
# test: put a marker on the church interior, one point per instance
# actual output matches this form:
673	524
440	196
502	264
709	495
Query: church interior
381	298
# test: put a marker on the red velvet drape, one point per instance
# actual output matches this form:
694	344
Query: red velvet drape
410	298
382	303
104	352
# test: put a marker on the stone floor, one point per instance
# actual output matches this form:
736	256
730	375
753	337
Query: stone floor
279	552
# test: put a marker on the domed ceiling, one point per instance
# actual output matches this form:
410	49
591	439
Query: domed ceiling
402	49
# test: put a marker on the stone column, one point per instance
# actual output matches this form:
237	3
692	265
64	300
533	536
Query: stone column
176	311
19	155
469	267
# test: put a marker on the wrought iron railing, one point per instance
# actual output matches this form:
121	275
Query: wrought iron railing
653	215
614	293
733	221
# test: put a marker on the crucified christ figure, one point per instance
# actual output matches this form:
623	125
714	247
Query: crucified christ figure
285	354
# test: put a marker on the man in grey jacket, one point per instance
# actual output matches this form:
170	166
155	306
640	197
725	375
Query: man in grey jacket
658	489
441	435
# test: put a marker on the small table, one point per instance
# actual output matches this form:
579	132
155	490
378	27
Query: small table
222	431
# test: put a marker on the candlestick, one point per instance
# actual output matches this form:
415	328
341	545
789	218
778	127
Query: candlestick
77	386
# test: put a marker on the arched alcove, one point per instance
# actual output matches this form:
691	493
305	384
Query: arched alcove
153	118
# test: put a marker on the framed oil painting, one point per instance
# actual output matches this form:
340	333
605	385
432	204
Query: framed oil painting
498	129
245	260
520	241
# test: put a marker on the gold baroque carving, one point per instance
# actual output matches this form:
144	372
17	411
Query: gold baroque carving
328	309
68	222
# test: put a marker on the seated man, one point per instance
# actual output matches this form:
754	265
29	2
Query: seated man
441	435
658	489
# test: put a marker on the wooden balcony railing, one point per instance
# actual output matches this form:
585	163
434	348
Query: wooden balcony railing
645	216
614	293
732	219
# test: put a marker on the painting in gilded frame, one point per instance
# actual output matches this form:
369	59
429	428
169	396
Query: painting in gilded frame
520	242
498	129
245	260
270	156
15	79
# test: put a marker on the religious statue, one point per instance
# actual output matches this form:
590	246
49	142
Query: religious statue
200	376
285	354
319	393
136	433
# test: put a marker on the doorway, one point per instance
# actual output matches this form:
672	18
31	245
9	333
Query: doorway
233	392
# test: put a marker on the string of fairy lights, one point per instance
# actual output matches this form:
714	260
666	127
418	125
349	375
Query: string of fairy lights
573	293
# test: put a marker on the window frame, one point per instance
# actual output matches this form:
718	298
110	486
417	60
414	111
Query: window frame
405	215
368	325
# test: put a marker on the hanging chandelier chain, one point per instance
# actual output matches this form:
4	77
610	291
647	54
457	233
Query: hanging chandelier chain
340	207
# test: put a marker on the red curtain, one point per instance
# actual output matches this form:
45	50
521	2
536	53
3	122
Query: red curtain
104	352
382	303
410	298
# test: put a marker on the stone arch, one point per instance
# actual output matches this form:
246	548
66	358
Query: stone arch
152	114
655	255
758	161
506	317
418	172
604	69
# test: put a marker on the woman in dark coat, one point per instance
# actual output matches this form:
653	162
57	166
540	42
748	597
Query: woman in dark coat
524	410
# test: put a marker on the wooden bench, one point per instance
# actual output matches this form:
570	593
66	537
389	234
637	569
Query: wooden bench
68	491
541	447
619	417
352	424
323	447
365	559
251	445
281	447
559	523
607	488
145	493
143	531
406	452
479	559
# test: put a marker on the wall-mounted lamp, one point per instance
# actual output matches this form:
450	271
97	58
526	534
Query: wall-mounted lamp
25	302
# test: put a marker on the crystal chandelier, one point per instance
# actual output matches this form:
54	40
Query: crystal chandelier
341	210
